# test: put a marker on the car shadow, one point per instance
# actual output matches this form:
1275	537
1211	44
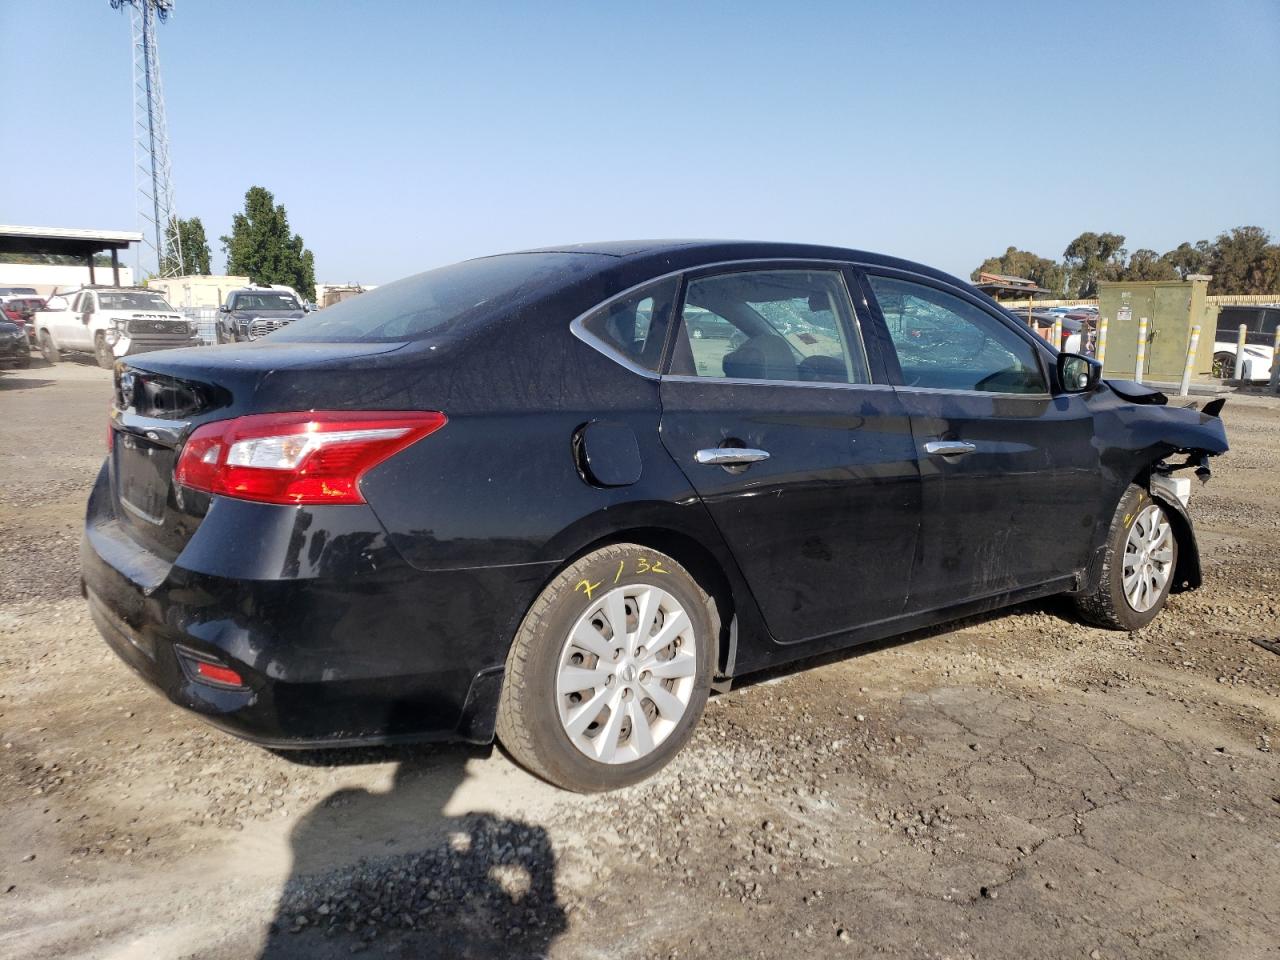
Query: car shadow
392	872
8	382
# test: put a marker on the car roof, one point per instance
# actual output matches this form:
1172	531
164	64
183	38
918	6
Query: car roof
689	254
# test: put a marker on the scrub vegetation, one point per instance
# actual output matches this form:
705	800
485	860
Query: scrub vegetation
1243	260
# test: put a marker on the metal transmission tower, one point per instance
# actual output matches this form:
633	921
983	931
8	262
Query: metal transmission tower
152	174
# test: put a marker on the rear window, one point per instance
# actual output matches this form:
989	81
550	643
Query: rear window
428	302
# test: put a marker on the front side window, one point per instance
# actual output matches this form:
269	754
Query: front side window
633	326
769	325
946	343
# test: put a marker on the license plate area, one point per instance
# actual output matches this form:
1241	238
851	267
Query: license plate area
144	473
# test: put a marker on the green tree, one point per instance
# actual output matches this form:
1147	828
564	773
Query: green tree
1187	259
195	249
1023	263
1244	260
262	247
1092	257
1148	265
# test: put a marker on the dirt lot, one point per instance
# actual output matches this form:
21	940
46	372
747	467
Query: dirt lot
1017	786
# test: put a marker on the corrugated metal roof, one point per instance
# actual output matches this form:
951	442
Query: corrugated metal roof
106	237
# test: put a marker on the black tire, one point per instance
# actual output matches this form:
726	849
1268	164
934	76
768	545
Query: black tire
1224	365
1107	606
102	353
529	725
48	349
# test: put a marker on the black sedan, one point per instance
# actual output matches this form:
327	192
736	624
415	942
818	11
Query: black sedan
516	496
15	350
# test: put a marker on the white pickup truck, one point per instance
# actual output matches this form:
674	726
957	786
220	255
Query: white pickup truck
110	322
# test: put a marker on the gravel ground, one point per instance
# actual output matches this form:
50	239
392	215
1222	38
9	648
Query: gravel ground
1011	786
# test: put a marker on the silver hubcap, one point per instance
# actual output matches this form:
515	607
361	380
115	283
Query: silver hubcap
1148	558
626	673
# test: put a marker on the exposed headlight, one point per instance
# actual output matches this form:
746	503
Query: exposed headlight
111	336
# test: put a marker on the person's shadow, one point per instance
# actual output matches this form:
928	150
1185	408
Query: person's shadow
392	873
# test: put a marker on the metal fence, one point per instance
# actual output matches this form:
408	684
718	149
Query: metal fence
206	319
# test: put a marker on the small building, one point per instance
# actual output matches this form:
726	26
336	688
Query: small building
197	291
327	294
999	286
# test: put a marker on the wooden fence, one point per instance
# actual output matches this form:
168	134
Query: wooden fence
1220	300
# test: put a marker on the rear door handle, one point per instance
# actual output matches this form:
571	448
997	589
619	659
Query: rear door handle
949	448
730	456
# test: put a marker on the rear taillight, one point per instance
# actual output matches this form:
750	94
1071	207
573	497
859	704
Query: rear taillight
309	457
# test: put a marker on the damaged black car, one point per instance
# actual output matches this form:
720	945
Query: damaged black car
558	496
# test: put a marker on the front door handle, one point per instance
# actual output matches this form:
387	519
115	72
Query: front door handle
730	456
949	448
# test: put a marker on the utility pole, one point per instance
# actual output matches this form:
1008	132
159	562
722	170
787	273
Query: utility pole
152	173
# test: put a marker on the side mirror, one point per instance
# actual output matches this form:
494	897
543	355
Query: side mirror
1078	374
223	308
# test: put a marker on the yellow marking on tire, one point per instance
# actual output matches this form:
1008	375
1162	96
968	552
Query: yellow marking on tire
587	587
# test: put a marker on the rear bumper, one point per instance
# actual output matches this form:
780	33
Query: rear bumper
368	657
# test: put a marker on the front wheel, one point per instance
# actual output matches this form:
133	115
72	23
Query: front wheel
102	353
1138	566
1224	365
48	349
610	670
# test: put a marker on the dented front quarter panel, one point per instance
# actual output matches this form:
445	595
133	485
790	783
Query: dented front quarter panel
1133	438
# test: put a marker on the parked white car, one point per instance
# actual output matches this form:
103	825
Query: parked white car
110	322
1261	321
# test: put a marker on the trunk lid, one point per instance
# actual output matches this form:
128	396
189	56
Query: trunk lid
160	398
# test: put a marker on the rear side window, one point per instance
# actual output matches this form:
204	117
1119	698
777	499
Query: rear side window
634	326
946	343
787	325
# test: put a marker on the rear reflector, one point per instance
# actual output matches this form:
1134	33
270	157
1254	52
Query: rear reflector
211	671
299	458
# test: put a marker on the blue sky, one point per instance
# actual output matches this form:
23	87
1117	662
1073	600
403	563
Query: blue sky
403	135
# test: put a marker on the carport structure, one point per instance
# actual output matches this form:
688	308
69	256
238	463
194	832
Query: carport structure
71	242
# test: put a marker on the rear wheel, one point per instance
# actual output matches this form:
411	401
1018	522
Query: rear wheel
609	671
1224	365
1138	565
47	348
102	353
